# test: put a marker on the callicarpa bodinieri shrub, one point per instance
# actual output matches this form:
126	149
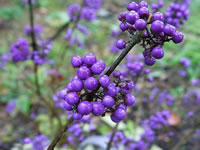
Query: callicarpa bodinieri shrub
93	90
107	91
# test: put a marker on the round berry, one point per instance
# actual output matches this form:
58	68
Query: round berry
120	44
144	13
177	37
120	114
112	90
76	61
108	101
114	119
143	4
132	6
169	30
67	106
77	85
72	98
91	83
150	61
122	16
69	87
116	73
130	100
77	116
62	93
104	81
158	16
124	26
157	27
158	52
98	67
83	72
89	59
140	24
131	17
84	108
97	108
130	85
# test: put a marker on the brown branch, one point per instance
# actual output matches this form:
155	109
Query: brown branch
112	137
60	134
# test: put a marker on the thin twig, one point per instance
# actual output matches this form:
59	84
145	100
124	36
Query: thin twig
60	134
112	137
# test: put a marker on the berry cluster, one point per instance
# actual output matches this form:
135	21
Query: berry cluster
20	51
86	12
177	13
86	93
37	29
152	27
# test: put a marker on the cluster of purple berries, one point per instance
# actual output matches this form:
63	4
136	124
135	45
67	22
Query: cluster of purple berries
177	13
86	93
39	142
152	27
87	13
20	50
37	29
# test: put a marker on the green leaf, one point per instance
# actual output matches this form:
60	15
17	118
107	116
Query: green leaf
23	103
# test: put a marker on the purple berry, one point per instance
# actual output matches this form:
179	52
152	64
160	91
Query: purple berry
108	101
178	37
120	44
158	16
69	87
116	73
144	13
158	52
83	72
130	100
114	119
62	93
84	108
104	81
143	4
157	27
77	116
67	106
132	6
98	67
112	90
77	85
76	61
140	24
150	61
169	30
72	98
120	114
91	83
131	17
97	108
124	26
122	16
130	85
89	59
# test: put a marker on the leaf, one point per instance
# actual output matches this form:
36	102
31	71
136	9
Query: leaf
23	103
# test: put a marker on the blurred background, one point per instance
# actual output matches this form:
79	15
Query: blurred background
172	84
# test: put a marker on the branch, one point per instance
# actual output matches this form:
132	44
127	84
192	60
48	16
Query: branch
112	137
60	134
131	44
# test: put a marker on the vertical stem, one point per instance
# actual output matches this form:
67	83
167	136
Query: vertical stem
60	134
112	137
